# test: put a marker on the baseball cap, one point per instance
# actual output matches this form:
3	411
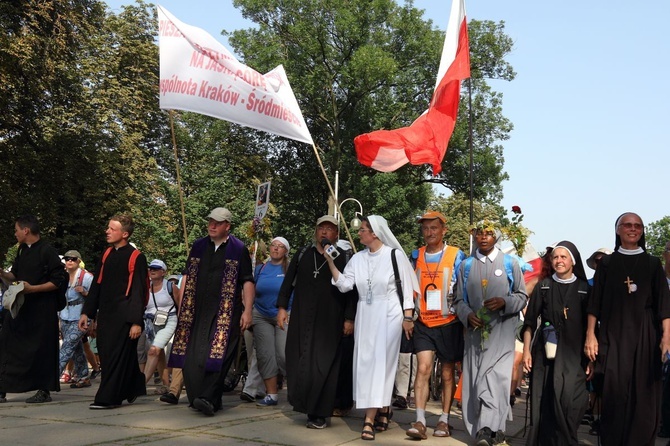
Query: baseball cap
72	253
327	219
221	214
432	215
157	264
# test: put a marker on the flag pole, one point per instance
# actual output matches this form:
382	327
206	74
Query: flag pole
332	194
181	193
472	183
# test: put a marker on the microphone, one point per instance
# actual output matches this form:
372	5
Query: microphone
330	250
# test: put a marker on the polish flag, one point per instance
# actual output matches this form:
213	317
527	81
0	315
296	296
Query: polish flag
425	140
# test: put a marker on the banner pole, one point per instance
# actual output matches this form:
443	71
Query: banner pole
332	194
181	193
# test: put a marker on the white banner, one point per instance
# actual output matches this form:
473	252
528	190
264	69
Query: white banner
198	74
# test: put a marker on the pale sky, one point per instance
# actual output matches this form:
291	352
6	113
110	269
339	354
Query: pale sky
590	106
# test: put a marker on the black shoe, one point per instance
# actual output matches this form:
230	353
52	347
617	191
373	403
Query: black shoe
204	406
169	398
484	437
400	403
316	423
94	374
512	400
244	396
42	396
517	391
132	399
3	397
102	406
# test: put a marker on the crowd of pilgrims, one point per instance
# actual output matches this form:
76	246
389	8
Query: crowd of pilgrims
329	323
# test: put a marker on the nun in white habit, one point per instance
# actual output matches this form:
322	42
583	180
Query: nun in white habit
380	318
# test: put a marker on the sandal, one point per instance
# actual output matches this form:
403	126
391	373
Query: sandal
368	435
81	384
380	425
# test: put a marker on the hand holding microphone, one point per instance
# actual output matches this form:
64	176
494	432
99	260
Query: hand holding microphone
330	250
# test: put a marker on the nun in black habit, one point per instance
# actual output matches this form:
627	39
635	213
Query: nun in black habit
631	301
558	395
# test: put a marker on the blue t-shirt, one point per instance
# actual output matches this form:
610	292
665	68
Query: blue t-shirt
268	281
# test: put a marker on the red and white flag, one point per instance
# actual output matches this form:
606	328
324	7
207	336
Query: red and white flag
198	74
425	140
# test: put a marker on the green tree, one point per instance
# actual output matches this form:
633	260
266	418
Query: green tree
657	234
82	120
357	66
456	208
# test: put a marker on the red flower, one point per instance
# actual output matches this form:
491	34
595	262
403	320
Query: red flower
516	209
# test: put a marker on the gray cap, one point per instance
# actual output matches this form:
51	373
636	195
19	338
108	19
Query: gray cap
221	214
72	253
327	219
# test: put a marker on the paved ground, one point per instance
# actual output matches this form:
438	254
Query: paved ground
68	421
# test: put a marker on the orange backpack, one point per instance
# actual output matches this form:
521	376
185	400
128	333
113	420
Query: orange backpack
131	270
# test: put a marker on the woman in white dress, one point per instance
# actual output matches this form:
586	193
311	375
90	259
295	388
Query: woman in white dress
380	318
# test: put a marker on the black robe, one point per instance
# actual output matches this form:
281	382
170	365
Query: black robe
313	347
29	343
201	383
558	387
116	313
628	346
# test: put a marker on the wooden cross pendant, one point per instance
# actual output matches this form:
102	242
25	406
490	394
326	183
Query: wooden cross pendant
630	285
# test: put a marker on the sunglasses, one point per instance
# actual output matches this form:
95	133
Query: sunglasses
629	225
70	259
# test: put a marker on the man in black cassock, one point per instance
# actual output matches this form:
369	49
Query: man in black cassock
320	316
118	310
631	301
212	316
29	343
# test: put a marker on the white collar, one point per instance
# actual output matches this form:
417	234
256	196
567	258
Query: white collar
492	255
559	280
630	252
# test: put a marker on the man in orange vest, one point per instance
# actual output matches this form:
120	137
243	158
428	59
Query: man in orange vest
437	330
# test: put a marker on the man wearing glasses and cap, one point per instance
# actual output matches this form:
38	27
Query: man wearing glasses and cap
212	316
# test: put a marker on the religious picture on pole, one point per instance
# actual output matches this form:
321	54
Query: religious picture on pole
262	200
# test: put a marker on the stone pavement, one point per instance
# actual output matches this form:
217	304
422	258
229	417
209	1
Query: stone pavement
68	421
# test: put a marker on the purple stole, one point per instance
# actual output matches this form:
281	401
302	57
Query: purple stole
219	342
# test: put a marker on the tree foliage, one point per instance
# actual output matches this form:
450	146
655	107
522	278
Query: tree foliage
362	65
83	137
657	234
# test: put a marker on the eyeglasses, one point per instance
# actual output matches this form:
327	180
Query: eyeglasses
364	230
326	228
629	225
277	245
70	259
